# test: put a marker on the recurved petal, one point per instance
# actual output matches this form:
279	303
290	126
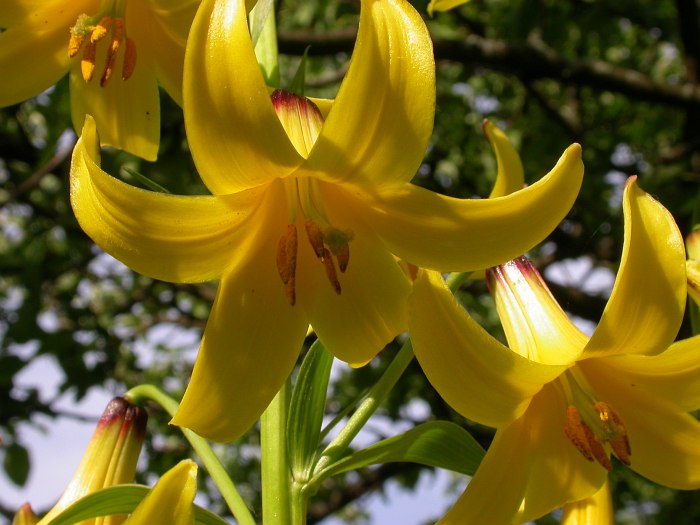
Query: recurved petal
378	129
673	375
170	500
250	345
646	305
477	376
371	308
665	440
168	237
496	490
555	463
236	139
448	234
34	46
510	176
127	113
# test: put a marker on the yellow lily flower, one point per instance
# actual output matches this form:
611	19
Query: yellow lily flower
115	51
561	400
594	510
110	458
692	244
310	208
170	500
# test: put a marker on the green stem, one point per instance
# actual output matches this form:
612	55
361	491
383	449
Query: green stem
377	394
216	470
455	280
276	475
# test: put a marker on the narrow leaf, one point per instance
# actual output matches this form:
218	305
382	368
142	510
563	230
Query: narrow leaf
17	464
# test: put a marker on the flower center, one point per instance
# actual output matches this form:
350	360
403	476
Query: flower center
591	425
302	121
88	36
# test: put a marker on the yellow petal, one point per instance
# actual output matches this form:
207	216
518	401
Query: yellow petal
555	463
496	490
510	177
665	440
250	345
692	267
447	234
371	308
170	500
172	238
127	113
535	325
477	376
34	47
160	29
673	375
443	5
379	126
236	139
646	305
594	510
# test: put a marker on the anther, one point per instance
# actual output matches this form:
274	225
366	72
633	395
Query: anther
101	29
583	438
315	238
330	270
114	45
614	425
287	262
129	63
343	257
87	63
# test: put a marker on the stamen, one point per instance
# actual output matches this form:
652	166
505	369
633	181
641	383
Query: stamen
75	43
343	257
583	438
315	238
101	29
330	270
616	430
287	262
117	36
87	63
129	63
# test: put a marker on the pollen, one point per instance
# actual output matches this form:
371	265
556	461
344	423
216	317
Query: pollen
87	35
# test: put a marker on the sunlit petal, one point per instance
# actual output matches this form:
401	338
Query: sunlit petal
250	345
42	31
595	510
555	462
236	139
495	492
665	440
379	126
535	325
371	308
173	238
477	376
646	306
170	500
673	375
447	234
692	267
510	176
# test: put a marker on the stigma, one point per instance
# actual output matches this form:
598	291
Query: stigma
87	36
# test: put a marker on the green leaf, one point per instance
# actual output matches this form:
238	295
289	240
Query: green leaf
306	410
148	183
298	83
17	464
119	499
435	443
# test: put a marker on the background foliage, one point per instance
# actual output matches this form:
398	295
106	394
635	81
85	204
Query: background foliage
619	77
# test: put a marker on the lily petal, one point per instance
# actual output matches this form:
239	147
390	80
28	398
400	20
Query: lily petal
596	509
249	348
384	110
42	31
511	175
477	376
235	137
672	376
496	490
554	462
692	267
170	500
168	237
161	30
371	308
127	113
665	440
447	234
646	305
